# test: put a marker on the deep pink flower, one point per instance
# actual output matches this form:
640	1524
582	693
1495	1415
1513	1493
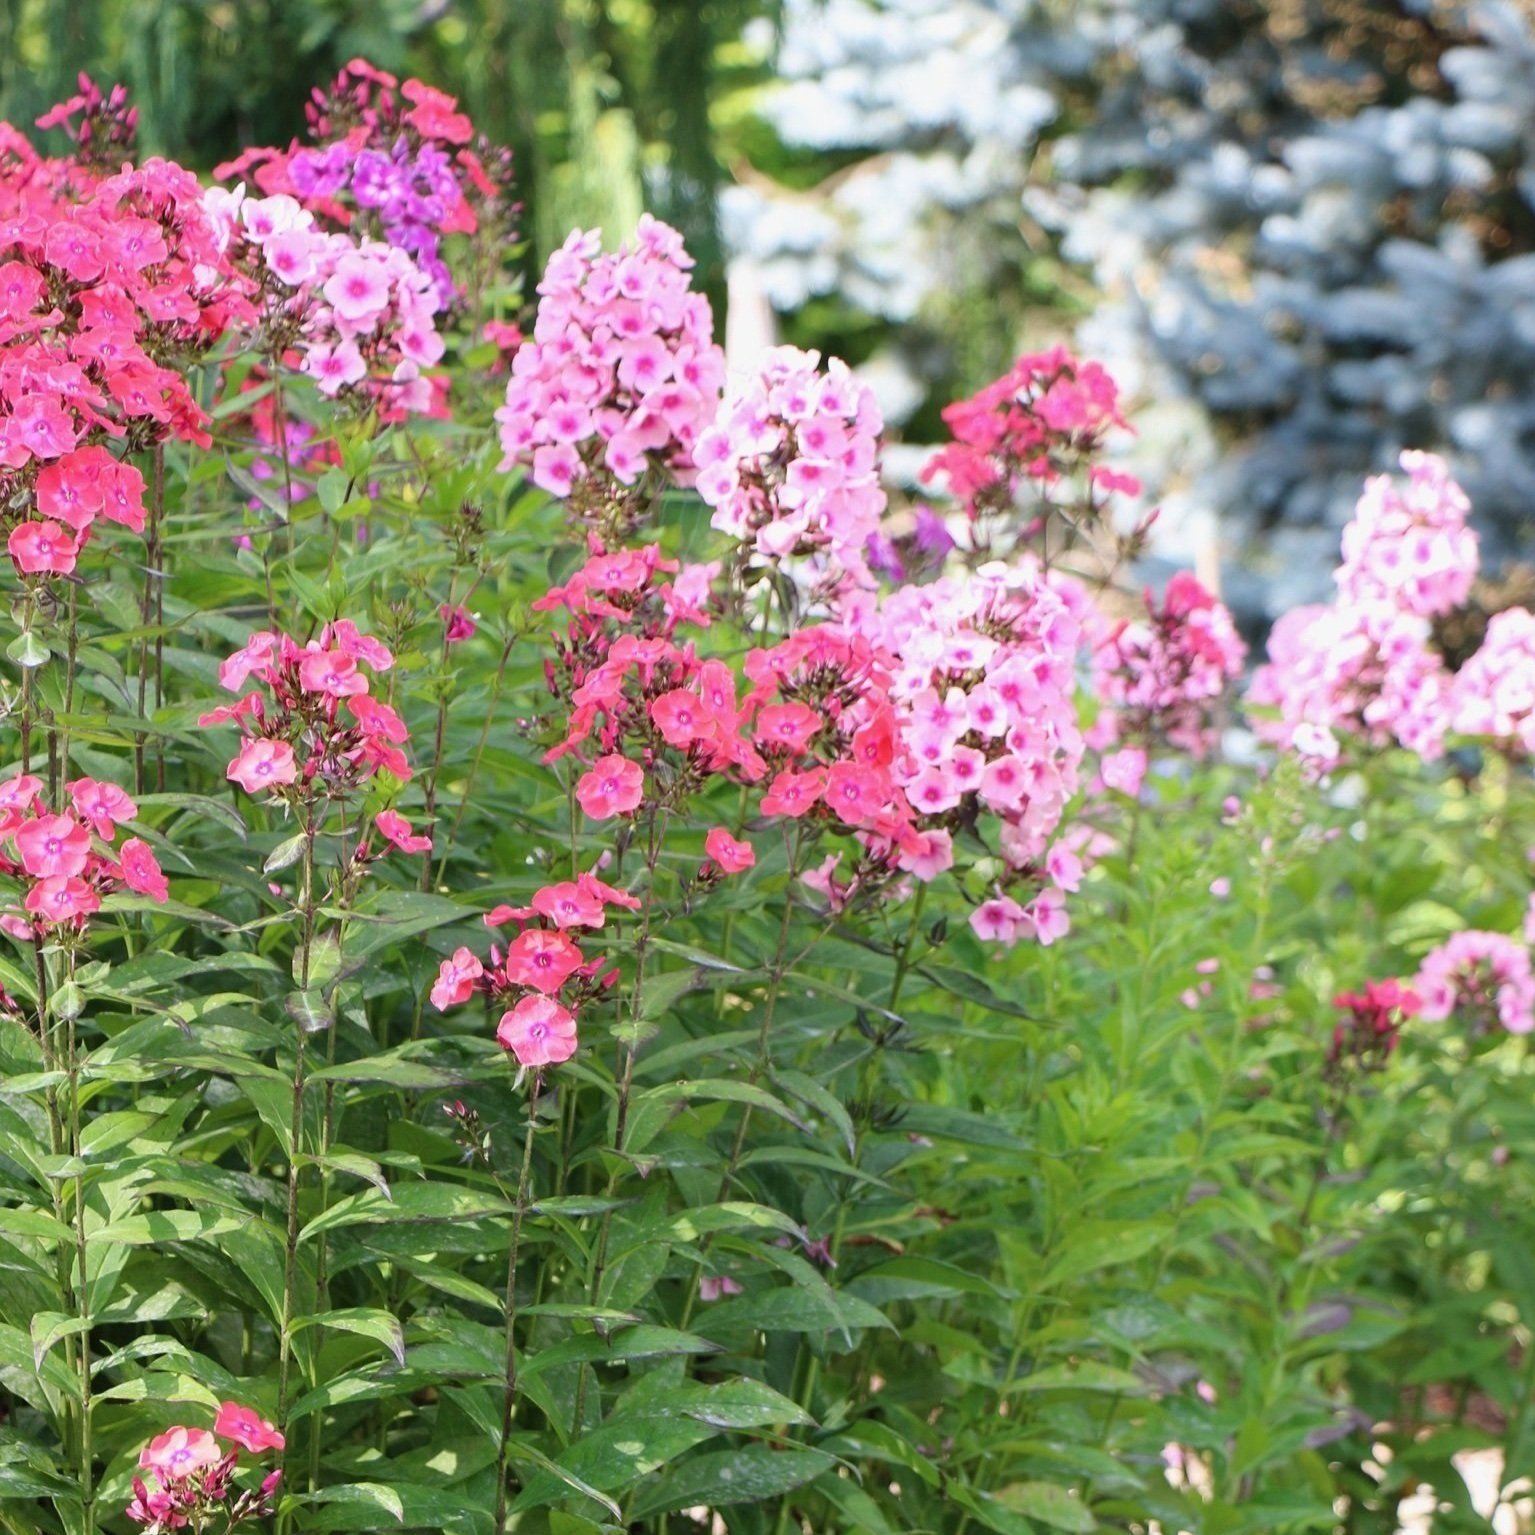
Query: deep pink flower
241	1426
103	805
457	624
456	979
538	1032
570	904
396	828
731	854
263	764
178	1452
141	870
43	548
541	959
614	786
61	897
53	845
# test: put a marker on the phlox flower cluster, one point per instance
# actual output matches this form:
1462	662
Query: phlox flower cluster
1367	1034
638	699
1036	430
400	162
312	730
361	313
1365	665
68	860
1494	692
102	125
1366	671
621	373
1408	544
541	980
791	466
1165	674
101	285
984	733
186	1475
1483	975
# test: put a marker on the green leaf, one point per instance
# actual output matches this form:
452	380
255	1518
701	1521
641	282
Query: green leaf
366	1322
1055	1506
1086	1376
727	1477
410	1204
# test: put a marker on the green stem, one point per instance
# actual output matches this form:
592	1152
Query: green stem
509	1398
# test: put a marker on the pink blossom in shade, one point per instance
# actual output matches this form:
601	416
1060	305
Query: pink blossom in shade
1479	972
179	1453
246	1428
541	959
457	625
396	829
333	672
42	548
1064	867
53	845
999	920
456	979
614	786
569	904
61	898
538	1032
103	806
141	870
18	793
1124	770
730	853
712	1286
931	855
1048	917
263	764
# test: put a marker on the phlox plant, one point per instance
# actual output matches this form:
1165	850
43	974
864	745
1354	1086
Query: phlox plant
569	962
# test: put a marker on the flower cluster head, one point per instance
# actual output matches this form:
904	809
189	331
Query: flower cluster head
361	313
1035	433
638	696
1494	692
1485	976
1366	671
1166	674
1366	666
103	284
621	374
791	466
1408	544
187	1475
398	162
313	729
541	980
984	733
103	127
1366	1035
68	860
